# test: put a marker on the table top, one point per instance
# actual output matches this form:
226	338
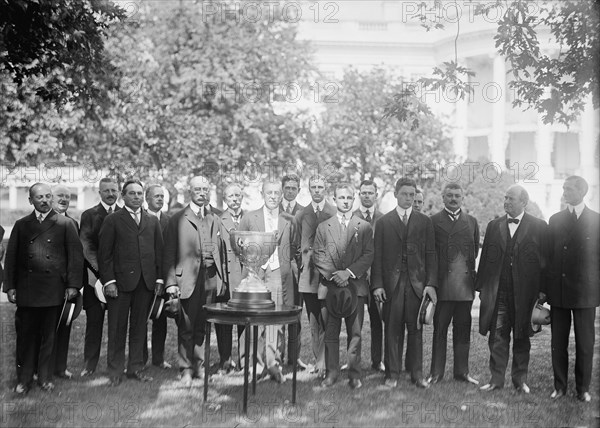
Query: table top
222	313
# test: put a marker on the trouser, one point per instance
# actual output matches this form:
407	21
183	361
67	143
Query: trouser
317	318
159	336
460	315
129	307
332	341
399	311
376	331
36	333
93	335
60	352
499	342
583	321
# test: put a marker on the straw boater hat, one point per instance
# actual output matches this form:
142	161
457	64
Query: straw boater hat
426	310
70	310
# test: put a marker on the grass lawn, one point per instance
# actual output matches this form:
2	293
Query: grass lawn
90	402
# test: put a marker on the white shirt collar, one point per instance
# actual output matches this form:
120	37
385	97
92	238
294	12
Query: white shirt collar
270	213
290	204
347	215
519	217
155	214
453	213
106	207
320	205
364	210
401	211
195	208
578	208
132	211
44	215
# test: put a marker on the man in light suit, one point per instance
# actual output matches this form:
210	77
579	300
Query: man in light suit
508	280
291	187
230	219
194	273
572	287
44	265
404	269
130	262
308	219
457	245
277	272
368	212
155	198
91	222
343	253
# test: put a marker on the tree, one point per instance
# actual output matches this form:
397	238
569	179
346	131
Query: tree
556	84
358	139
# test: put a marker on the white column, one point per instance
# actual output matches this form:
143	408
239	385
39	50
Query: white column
587	143
496	94
544	144
81	197
12	195
461	144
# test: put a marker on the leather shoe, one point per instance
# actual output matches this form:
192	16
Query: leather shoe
557	393
21	389
466	378
433	379
489	387
391	383
378	367
300	365
139	376
328	381
355	383
115	381
523	388
186	379
47	386
584	397
421	383
163	365
64	375
276	374
86	372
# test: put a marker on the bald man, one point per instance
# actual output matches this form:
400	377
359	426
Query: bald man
44	265
508	280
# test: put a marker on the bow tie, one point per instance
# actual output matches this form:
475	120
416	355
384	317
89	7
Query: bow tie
513	220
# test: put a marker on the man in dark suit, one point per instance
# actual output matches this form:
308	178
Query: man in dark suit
419	200
291	187
91	222
130	261
572	287
277	272
368	212
308	219
155	198
343	253
230	220
194	273
508	280
457	245
44	265
404	269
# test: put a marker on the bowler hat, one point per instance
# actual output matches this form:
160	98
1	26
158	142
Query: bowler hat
540	315
99	290
426	310
156	309
172	307
70	310
341	301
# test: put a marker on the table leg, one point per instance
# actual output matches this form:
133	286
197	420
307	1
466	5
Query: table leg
254	349
246	364
295	361
206	359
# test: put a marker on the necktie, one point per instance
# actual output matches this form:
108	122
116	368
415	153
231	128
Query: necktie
344	223
40	218
574	215
318	214
453	216
513	220
289	208
368	216
236	220
405	219
110	210
137	217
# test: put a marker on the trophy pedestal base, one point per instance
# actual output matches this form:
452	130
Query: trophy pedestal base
251	300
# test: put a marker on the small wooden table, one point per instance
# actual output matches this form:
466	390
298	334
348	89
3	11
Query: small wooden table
220	313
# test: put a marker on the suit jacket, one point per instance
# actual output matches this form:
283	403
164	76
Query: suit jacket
164	222
233	266
421	257
296	209
1	255
457	245
376	216
307	223
43	260
336	249
527	268
183	252
287	246
91	222
127	253
574	265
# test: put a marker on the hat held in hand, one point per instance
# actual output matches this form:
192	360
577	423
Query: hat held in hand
172	307
156	310
426	310
540	315
341	301
70	310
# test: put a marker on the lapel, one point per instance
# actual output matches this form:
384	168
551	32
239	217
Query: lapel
144	219
397	223
128	220
503	224
445	223
48	222
282	224
523	228
334	228
351	230
191	217
460	224
259	220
